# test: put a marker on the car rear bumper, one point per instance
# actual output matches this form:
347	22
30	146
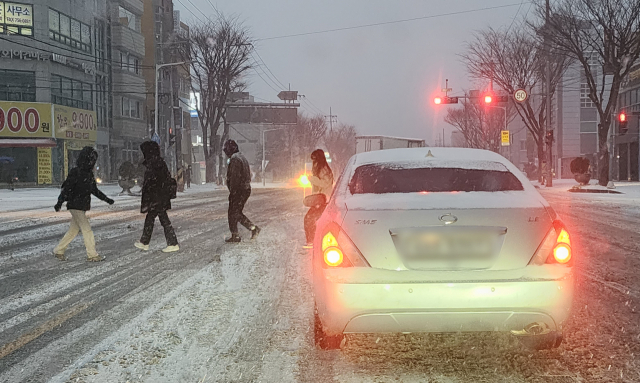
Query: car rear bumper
345	307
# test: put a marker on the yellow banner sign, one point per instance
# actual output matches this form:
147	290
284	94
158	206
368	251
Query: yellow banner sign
16	14
504	134
44	166
75	124
25	119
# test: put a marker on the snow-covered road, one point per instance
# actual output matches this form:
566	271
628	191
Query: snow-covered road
244	313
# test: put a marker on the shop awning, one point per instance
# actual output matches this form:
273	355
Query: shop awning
27	143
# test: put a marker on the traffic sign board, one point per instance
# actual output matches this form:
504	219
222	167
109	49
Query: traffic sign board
156	138
504	135
520	95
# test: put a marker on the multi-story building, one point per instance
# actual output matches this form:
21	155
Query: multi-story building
626	154
54	80
129	87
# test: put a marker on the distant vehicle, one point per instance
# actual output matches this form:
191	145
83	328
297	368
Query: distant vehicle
371	143
440	240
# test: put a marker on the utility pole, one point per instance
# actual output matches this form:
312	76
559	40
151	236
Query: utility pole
548	96
331	117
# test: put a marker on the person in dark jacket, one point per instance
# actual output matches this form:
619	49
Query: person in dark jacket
239	185
156	197
76	192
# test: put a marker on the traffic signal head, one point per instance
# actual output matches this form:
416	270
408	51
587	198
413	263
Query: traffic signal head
622	123
445	100
172	137
549	137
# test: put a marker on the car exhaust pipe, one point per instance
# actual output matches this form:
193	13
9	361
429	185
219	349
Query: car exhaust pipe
538	336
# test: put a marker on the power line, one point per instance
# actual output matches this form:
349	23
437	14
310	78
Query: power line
389	22
190	11
514	16
266	66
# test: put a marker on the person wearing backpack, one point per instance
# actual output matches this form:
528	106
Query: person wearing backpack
76	192
158	188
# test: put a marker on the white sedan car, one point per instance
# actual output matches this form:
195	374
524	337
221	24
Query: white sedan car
440	240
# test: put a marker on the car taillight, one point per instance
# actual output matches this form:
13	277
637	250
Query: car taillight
555	248
339	251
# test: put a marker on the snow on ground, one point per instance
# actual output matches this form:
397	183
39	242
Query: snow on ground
46	197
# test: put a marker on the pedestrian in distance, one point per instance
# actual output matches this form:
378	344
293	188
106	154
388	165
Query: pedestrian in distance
76	192
239	185
187	177
322	183
158	188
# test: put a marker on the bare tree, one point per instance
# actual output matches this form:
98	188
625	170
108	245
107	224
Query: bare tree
308	133
513	60
479	125
219	55
341	145
604	37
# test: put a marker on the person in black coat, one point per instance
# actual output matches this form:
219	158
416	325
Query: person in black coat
239	185
156	197
76	192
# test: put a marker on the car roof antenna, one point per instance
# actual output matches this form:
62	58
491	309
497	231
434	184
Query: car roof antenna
429	154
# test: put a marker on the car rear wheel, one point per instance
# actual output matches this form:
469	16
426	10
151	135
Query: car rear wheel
322	340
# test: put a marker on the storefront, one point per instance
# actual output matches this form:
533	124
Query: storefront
26	142
39	142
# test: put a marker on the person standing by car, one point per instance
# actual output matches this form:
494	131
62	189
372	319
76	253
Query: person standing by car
322	183
239	185
158	188
76	192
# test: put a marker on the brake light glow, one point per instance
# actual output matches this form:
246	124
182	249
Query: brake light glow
337	249
562	253
333	257
555	248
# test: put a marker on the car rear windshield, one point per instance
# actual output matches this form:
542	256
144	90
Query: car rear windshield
381	179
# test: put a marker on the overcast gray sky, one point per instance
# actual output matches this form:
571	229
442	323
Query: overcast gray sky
382	79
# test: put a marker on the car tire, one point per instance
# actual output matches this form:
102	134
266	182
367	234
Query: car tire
322	340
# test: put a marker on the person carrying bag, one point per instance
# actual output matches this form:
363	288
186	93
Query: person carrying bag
158	189
322	185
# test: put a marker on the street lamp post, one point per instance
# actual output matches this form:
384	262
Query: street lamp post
158	67
264	182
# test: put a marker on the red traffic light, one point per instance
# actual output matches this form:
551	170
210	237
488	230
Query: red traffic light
622	117
445	100
488	99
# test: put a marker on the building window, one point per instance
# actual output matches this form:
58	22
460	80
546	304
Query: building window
128	19
592	57
129	62
588	143
69	31
585	101
100	40
130	108
73	93
17	20
17	86
101	101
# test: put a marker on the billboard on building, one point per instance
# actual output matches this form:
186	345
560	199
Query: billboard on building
75	124
25	120
16	14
